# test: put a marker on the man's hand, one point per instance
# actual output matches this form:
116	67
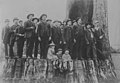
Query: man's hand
32	27
101	37
39	38
64	42
49	38
60	42
20	34
14	31
74	40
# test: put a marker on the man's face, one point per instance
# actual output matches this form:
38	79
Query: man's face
97	24
79	21
59	52
59	24
64	23
55	24
16	21
7	23
21	23
49	22
44	18
30	17
88	26
35	21
75	23
69	23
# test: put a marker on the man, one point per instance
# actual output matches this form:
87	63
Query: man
35	21
56	35
99	35
5	36
49	21
69	36
44	35
20	39
13	36
79	35
29	35
90	43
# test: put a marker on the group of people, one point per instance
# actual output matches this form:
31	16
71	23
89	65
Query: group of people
71	37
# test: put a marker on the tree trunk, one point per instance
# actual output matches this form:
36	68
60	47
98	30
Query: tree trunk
90	10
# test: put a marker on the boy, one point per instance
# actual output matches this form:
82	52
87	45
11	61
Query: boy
67	62
51	52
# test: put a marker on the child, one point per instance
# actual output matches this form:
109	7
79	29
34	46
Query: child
67	61
51	52
58	59
58	62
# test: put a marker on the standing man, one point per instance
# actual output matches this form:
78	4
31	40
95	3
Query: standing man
35	21
44	35
29	35
13	36
5	36
69	36
20	39
90	43
99	35
56	35
79	39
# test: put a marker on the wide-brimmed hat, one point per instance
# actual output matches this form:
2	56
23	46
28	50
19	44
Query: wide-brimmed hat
68	21
78	18
20	21
59	49
48	20
35	19
29	15
52	44
15	19
42	16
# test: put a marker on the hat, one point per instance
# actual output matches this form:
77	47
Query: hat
29	15
74	21
42	16
15	19
35	19
68	21
96	21
78	18
52	44
55	21
49	20
59	49
89	24
7	20
20	21
60	22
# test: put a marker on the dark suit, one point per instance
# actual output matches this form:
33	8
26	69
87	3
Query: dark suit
36	42
69	37
99	43
79	46
5	38
12	39
20	40
30	37
56	37
44	32
90	45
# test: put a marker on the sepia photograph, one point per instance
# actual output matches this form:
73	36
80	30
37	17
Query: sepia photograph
59	41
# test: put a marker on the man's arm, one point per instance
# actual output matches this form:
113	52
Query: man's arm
3	33
26	26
